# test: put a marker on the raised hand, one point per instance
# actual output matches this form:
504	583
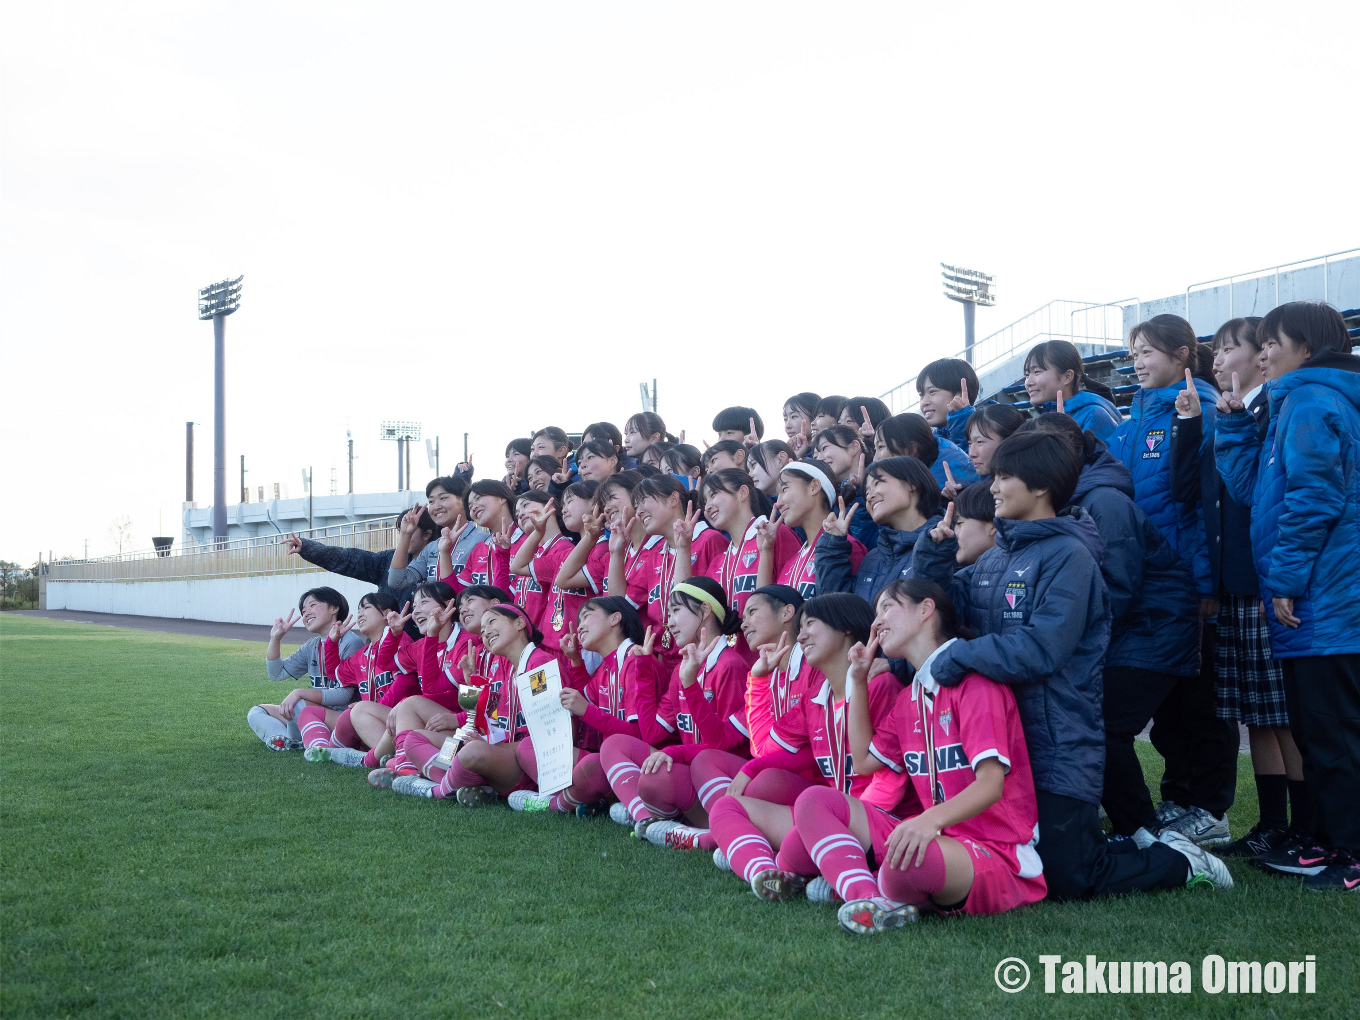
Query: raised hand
411	519
951	486
945	529
767	532
839	524
540	516
283	626
463	467
960	400
862	658
1230	403
866	427
562	477
446	541
469	663
750	439
571	648
502	537
648	641
1187	400
771	655
340	628
292	545
682	531
443	617
396	622
1059	405
592	525
799	440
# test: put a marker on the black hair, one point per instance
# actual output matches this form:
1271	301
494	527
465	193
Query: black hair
583	489
484	591
598	448
682	459
731	620
648	423
806	402
1064	425
1064	357
426	523
731	480
625	480
1168	334
1202	364
945	374
545	462
381	601
779	595
330	597
724	446
830	406
976	502
910	435
1041	460
915	474
838	435
438	590
1311	324
454	485
647	470
493	487
918	589
508	611
558	437
657	450
662	487
1242	330
839	610
802	476
604	431
996	421
738	418
630	624
765	453
519	446
878	411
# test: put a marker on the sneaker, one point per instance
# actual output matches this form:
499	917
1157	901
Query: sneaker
870	917
720	861
594	809
476	796
1258	841
413	786
381	779
1168	811
528	800
1205	868
674	835
772	885
347	756
1201	828
318	753
618	813
1342	875
1299	855
819	890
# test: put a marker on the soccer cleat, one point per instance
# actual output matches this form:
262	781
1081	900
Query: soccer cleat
277	743
873	916
413	786
1299	855
476	796
819	890
381	779
1167	812
618	813
594	809
1342	875
674	835
317	753
528	800
641	826
1205	868
404	768
1201	828
346	756
720	861
773	885
1258	841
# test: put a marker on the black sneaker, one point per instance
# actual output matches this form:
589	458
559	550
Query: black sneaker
1298	855
1258	841
1342	875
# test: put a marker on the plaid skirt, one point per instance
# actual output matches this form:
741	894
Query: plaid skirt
1248	683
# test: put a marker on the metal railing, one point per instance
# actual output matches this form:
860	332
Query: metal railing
1322	261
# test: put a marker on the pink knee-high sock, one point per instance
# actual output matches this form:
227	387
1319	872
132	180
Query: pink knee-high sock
778	786
744	845
344	734
822	816
667	793
419	751
712	772
915	884
588	784
458	776
399	762
312	724
370	759
528	761
793	855
621	755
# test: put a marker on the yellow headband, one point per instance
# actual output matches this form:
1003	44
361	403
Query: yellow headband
695	592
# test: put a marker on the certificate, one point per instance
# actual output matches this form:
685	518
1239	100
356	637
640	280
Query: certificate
540	700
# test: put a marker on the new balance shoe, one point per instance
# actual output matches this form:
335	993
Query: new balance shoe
1258	841
1201	828
413	786
618	813
528	800
1205	868
1167	812
317	753
819	890
381	779
1342	875
772	885
594	809
476	796
873	916
1299	855
674	835
720	861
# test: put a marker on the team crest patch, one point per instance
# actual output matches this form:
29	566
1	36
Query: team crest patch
945	719
749	558
1155	438
1015	594
538	682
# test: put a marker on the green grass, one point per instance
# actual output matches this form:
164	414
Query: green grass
159	862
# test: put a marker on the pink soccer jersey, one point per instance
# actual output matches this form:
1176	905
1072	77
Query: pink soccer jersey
503	716
800	572
558	606
613	694
820	724
706	550
597	568
712	711
396	655
477	569
359	670
939	735
768	698
737	567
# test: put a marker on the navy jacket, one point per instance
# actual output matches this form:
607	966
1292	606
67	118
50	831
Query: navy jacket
1040	605
887	561
1091	411
956	429
1154	609
959	464
1303	484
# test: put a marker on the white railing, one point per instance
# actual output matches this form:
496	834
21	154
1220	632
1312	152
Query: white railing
1322	261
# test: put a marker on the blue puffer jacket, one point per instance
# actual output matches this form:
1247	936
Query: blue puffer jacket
1143	443
959	464
887	561
1040	604
956	429
1153	606
1091	411
1303	485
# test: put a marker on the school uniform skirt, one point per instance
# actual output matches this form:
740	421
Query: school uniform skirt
1248	682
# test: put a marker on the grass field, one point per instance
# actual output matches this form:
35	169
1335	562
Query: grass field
159	862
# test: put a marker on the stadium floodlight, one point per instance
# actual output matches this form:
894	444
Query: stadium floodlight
216	301
401	432
970	288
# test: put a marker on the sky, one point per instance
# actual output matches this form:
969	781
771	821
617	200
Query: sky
491	217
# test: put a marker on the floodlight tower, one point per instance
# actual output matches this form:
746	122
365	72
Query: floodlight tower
970	288
403	432
216	301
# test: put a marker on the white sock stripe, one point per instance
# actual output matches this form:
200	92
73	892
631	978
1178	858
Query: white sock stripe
755	866
658	812
635	806
707	789
742	841
848	878
317	724
623	768
827	842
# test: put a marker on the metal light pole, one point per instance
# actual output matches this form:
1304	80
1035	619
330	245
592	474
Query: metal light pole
970	288
216	301
188	462
402	432
349	439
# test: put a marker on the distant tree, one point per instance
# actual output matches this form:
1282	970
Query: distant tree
120	531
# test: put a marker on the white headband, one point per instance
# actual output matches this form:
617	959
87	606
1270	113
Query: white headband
817	475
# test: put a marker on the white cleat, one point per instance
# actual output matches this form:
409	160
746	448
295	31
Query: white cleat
720	861
618	813
1205	868
413	786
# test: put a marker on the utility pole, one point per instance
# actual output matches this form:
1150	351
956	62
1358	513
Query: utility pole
216	302
188	462
245	493
349	438
465	435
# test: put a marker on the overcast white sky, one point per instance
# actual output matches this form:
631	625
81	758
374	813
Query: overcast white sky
489	217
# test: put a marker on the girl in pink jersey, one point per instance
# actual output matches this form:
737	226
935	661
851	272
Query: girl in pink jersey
756	816
587	566
806	495
491	505
959	750
550	537
765	460
505	548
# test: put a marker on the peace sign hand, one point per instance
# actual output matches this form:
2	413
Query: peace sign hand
340	628
648	640
945	529
502	537
839	524
799	440
771	655
693	656
396	622
951	487
292	545
750	439
866	427
443	617
1230	403
861	658
592	524
960	400
1187	400
683	529
283	626
539	515
767	533
571	648
411	520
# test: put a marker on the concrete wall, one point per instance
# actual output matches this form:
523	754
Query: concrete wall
257	599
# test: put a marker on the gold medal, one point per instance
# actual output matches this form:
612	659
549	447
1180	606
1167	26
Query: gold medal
666	638
558	616
731	641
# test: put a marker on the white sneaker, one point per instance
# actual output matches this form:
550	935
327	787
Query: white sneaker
819	890
618	813
1143	839
528	800
674	835
720	861
1205	868
1167	812
413	786
1200	827
347	756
